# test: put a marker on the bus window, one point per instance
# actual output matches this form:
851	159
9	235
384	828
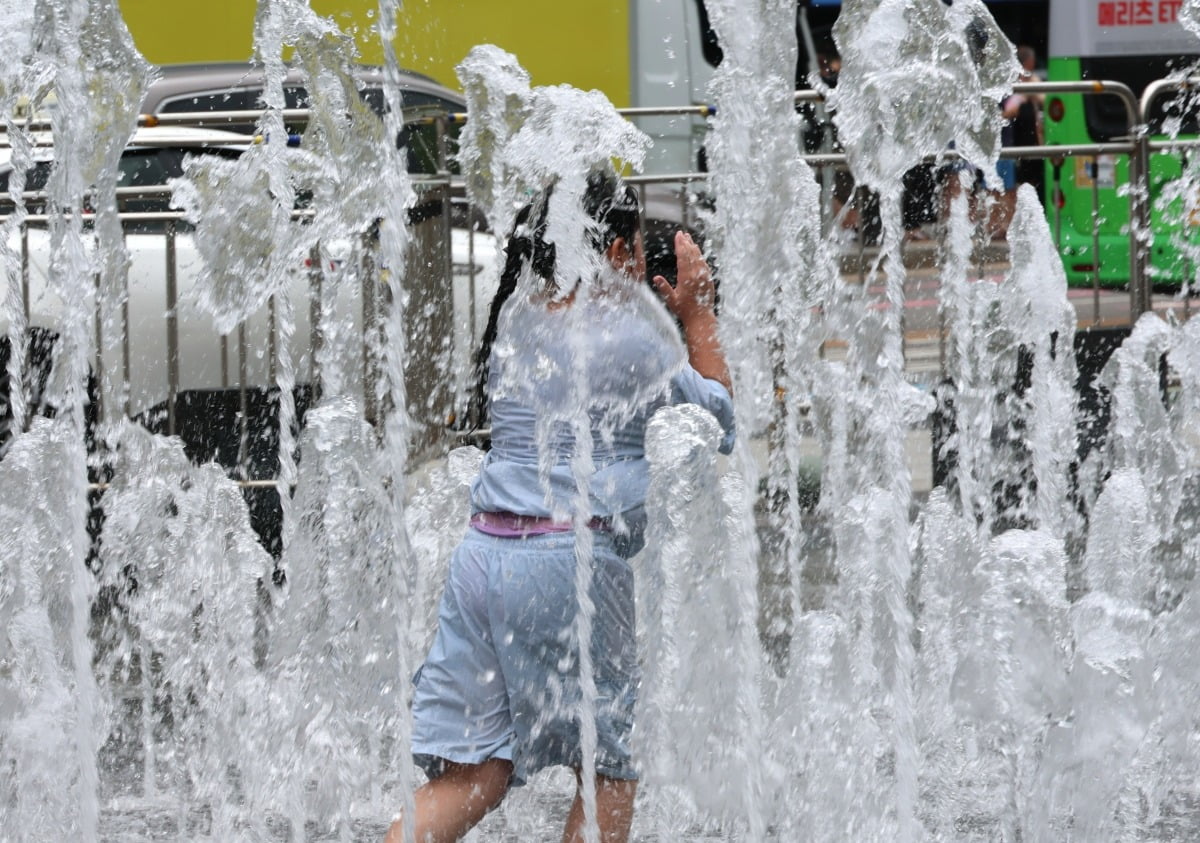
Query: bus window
1105	115
1174	112
1088	200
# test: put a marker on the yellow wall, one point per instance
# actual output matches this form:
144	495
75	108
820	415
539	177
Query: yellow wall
172	31
581	42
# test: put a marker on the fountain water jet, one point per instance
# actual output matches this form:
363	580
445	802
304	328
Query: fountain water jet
951	686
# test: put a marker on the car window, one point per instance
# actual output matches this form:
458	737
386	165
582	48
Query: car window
147	168
137	168
373	97
36	178
419	138
245	99
154	168
237	99
296	96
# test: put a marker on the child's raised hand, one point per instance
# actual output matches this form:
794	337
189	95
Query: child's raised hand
694	293
692	300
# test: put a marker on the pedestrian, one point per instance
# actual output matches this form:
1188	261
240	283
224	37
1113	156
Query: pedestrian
856	207
1025	113
1005	199
499	695
1022	127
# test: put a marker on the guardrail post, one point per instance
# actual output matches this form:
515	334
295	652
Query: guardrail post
316	328
25	272
1139	221
243	457
447	210
1096	240
172	326
1056	197
371	286
101	398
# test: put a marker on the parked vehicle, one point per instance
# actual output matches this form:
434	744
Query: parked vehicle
1132	43
206	360
238	87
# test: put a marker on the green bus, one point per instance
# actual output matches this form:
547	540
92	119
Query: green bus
1134	42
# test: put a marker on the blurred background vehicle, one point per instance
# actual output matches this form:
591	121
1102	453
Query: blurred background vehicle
1088	199
218	392
160	243
238	86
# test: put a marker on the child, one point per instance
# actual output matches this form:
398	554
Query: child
498	697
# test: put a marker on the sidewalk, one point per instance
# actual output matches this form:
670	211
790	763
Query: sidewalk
856	259
918	450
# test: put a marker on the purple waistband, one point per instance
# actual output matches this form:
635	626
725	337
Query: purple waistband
509	525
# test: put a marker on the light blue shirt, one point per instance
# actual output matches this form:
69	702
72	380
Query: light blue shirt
617	353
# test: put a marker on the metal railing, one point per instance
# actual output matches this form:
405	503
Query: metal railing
1137	145
443	186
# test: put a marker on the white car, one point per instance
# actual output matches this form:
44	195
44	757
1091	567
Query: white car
205	360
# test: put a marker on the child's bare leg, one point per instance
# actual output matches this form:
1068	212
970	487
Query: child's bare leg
450	805
614	811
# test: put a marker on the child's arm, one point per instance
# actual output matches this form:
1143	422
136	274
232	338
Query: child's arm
691	300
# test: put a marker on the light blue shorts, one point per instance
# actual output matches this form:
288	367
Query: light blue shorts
502	677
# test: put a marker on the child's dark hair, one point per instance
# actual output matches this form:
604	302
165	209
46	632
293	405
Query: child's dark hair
612	209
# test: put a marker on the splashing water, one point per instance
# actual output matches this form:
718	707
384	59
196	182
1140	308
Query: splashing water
916	78
53	715
696	588
181	574
529	139
333	644
1013	657
75	49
